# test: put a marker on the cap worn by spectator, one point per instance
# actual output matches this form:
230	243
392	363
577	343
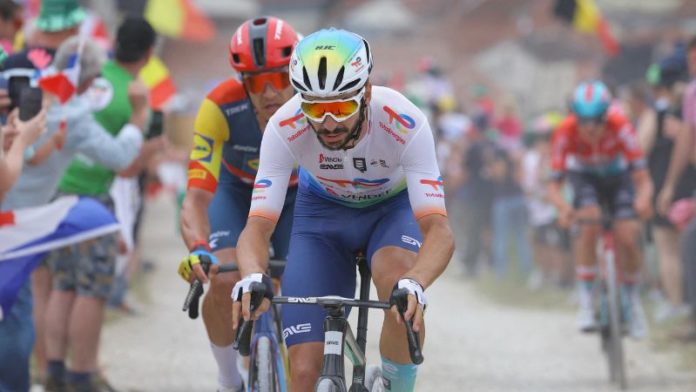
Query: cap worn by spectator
58	15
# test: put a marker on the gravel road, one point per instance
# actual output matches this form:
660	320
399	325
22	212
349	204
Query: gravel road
473	344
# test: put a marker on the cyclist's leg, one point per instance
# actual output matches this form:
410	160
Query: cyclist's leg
392	253
227	216
586	203
627	233
315	267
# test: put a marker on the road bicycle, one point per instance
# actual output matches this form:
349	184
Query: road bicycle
610	310
339	340
265	346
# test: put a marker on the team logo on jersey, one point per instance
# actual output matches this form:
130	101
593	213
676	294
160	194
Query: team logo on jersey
202	148
436	184
360	164
358	183
330	163
402	122
294	122
261	185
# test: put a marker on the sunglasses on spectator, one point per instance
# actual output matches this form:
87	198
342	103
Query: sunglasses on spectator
256	82
338	109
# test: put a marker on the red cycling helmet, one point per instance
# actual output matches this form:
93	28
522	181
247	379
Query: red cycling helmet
262	43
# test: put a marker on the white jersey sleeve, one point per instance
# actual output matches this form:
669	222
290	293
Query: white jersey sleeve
272	178
425	186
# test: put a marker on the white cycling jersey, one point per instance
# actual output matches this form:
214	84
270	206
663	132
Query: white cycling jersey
397	153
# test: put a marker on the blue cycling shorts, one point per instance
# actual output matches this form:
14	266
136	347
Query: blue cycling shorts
228	213
321	261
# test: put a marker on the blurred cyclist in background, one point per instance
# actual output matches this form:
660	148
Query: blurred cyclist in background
597	151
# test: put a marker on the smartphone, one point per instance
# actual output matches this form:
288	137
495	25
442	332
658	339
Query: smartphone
156	124
15	85
30	102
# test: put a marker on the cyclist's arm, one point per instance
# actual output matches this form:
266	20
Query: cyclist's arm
426	193
275	166
211	132
559	153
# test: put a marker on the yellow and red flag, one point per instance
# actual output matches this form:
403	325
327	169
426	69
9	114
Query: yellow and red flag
586	17
179	19
156	77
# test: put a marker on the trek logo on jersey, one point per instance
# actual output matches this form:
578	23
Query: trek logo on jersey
202	148
330	163
403	122
261	185
357	183
436	184
297	329
237	108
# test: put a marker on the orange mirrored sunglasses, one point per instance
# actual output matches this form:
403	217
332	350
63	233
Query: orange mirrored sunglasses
256	83
339	110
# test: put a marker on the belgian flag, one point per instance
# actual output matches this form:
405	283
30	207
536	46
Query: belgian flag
586	17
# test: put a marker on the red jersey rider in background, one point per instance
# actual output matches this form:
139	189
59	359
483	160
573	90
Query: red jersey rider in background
596	149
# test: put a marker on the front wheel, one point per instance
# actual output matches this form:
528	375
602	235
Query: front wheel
615	332
265	376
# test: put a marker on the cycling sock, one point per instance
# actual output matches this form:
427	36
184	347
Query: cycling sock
585	274
226	358
56	369
398	377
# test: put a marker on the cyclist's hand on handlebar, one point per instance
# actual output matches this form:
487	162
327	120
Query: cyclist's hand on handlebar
192	262
241	297
417	301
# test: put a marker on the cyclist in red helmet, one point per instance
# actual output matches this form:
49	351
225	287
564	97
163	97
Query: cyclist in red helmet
222	168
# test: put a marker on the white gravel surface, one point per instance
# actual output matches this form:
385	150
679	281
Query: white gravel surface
473	344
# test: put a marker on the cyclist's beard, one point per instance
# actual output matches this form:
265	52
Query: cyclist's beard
352	135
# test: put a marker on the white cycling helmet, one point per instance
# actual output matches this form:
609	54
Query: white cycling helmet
330	62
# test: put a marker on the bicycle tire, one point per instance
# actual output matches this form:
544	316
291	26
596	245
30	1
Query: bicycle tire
615	353
265	371
327	385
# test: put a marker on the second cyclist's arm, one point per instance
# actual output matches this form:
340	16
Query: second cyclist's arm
194	216
211	132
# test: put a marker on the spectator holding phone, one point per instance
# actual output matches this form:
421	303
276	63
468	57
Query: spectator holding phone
15	137
36	186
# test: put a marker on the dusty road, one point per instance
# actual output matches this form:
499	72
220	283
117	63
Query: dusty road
473	344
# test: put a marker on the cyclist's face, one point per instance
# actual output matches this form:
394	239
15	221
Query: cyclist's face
591	130
334	133
268	91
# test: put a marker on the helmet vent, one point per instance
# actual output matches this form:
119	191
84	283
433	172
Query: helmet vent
339	78
259	52
259	21
235	58
287	51
306	78
298	86
350	85
322	73
367	52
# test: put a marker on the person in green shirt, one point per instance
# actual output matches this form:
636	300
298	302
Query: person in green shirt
78	298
